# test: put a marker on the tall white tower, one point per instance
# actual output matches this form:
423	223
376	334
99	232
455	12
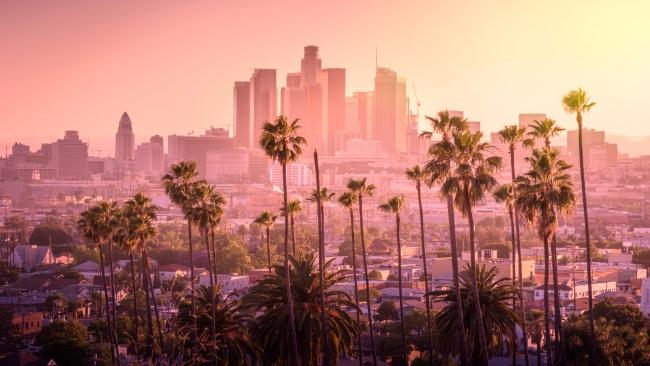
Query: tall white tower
124	140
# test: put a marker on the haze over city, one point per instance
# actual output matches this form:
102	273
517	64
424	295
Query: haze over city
79	65
324	183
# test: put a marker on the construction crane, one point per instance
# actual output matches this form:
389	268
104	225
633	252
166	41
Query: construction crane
417	101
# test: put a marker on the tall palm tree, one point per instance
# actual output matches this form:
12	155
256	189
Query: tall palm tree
268	299
267	219
325	196
348	200
417	175
179	184
469	174
515	136
494	296
544	192
394	205
281	143
576	101
545	130
92	225
294	206
360	188
141	213
436	167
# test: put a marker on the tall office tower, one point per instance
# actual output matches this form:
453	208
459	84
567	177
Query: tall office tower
292	100
310	66
198	147
390	111
124	140
358	115
334	109
242	113
70	156
474	126
263	102
149	157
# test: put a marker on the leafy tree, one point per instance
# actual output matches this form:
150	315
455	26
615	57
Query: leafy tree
18	223
375	275
387	311
8	330
8	274
64	342
51	230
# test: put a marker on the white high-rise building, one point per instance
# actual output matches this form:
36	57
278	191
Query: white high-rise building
150	157
124	140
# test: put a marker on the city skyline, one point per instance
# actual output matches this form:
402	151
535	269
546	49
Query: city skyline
180	75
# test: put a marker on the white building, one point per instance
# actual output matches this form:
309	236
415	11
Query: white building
231	283
579	291
169	272
298	174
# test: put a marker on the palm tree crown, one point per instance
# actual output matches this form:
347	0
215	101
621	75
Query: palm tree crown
545	129
281	141
266	219
444	125
576	101
417	174
360	188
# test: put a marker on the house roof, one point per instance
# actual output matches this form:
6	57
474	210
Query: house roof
32	255
87	266
173	267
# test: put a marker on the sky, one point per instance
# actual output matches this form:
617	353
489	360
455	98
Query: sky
77	65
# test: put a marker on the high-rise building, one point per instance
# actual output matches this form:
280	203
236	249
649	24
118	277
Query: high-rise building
70	156
150	157
358	115
197	147
124	140
390	110
474	126
334	108
603	152
263	102
242	113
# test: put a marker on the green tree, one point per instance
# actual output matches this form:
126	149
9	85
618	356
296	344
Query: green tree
577	102
294	207
499	319
267	219
387	310
64	342
8	330
50	231
268	299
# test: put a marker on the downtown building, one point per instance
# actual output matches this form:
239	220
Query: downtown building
200	148
70	157
150	157
597	152
254	103
124	147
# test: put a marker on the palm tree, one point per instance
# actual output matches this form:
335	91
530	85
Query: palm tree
93	226
469	174
281	142
504	194
268	299
577	101
359	188
231	344
294	206
494	296
267	219
394	205
535	322
545	130
141	213
436	168
544	192
349	200
179	184
417	175
325	196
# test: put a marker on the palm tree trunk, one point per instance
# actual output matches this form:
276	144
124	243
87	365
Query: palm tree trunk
108	310
514	283
268	247
321	262
426	273
399	285
293	235
365	274
556	298
474	268
213	328
287	273
539	353
583	186
155	310
113	298
456	280
136	337
519	264
547	327
145	287
192	285
356	287
214	254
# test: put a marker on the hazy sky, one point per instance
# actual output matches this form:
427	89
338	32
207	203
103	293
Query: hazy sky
171	64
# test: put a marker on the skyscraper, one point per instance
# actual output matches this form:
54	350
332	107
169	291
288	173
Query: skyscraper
198	147
242	113
334	108
149	157
390	110
263	102
124	140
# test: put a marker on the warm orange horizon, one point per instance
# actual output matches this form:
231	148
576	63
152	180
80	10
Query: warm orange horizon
171	65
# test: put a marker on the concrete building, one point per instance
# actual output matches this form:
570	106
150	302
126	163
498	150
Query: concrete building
124	140
242	113
597	152
579	290
70	157
197	147
263	102
390	110
150	157
298	174
227	166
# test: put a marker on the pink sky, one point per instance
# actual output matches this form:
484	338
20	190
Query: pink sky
171	64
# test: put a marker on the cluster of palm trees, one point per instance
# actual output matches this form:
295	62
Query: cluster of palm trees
129	227
296	298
